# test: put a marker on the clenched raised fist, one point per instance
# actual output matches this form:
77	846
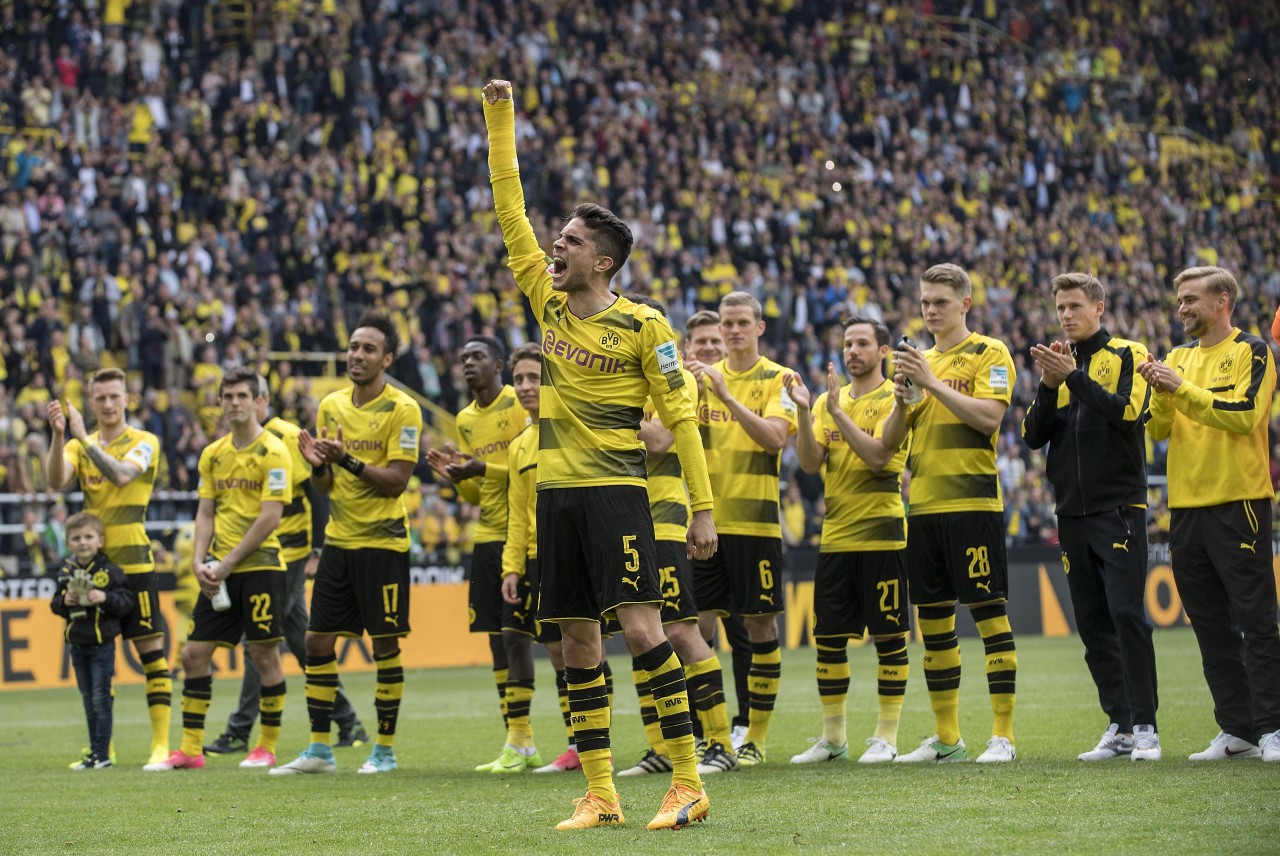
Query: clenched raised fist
497	90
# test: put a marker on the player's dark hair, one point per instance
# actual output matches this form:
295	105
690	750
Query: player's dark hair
611	236
881	331
381	322
241	374
705	318
492	345
1085	282
646	300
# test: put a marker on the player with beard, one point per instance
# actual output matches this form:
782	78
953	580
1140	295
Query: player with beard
861	580
362	457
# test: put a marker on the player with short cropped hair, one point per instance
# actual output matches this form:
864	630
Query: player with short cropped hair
746	417
300	563
861	580
245	483
1089	408
1211	398
362	457
669	505
116	467
478	466
603	357
956	550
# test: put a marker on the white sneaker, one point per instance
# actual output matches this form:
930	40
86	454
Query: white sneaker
738	736
1226	747
1270	746
999	751
1146	743
1112	745
305	763
821	751
933	749
878	751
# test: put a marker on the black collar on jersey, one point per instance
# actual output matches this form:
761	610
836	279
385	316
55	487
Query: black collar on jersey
1086	348
99	558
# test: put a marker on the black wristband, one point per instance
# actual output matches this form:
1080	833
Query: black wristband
321	470
352	464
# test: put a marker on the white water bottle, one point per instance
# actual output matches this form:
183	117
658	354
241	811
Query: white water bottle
221	600
915	394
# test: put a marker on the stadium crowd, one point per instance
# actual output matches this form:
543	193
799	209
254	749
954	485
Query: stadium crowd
178	197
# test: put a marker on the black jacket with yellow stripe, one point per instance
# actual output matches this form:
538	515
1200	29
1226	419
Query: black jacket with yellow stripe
88	624
1093	425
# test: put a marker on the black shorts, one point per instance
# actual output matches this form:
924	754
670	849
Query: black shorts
958	555
484	594
256	613
595	551
744	576
522	617
675	576
546	632
145	621
361	590
861	591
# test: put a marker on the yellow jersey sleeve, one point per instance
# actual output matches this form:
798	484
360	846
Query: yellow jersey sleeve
294	530
522	500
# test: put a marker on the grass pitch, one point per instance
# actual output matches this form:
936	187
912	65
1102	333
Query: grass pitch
1045	802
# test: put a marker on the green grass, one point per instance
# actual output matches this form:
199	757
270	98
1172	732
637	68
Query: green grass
1046	802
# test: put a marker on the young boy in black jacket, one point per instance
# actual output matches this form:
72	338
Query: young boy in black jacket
93	596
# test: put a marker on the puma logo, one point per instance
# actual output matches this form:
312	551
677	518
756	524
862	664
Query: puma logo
1252	547
674	604
1121	545
984	586
635	584
265	628
894	618
392	620
767	598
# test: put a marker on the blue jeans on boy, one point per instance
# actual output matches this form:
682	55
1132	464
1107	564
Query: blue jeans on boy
95	666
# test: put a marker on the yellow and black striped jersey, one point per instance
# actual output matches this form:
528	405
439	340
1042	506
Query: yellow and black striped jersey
123	510
485	433
953	466
598	371
668	499
522	501
1216	422
238	481
864	508
383	430
294	530
744	477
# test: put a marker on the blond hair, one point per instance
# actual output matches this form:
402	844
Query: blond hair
949	274
1215	279
741	298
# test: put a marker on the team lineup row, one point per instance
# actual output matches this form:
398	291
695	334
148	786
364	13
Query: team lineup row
595	475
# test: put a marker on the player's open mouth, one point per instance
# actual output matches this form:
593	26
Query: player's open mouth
556	267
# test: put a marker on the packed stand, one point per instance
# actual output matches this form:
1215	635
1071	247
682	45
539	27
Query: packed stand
183	197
